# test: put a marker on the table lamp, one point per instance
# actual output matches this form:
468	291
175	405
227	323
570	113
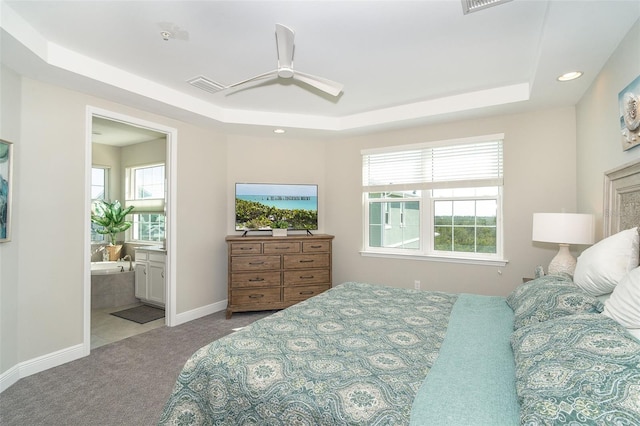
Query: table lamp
563	229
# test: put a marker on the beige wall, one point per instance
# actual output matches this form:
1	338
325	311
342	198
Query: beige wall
41	308
539	176
277	160
202	213
10	101
109	156
598	126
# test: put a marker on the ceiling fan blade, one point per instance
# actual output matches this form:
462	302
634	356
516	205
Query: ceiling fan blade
284	43
264	76
327	86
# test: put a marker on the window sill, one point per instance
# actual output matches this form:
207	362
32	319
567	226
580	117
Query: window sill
435	258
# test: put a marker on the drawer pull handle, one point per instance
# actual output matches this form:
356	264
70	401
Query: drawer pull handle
256	263
282	248
316	246
307	261
306	277
254	280
246	248
306	292
256	296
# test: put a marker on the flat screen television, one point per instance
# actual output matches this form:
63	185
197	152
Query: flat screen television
265	206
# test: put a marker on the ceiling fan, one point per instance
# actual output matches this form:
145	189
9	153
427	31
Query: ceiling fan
284	43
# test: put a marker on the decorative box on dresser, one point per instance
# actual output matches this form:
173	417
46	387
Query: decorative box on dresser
267	273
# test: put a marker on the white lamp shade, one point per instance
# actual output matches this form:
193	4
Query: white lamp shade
563	228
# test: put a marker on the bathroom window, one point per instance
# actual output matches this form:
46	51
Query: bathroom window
145	191
99	191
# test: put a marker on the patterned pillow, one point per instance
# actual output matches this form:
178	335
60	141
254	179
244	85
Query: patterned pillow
579	369
549	297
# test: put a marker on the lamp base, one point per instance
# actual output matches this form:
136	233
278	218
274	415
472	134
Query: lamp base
563	262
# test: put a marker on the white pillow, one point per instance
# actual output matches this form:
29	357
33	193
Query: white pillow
624	303
603	265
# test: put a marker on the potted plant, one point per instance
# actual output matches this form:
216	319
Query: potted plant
279	228
111	216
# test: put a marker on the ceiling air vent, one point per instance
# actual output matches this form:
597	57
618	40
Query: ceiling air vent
469	6
206	84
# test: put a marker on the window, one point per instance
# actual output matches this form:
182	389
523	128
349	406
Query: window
437	200
99	191
145	191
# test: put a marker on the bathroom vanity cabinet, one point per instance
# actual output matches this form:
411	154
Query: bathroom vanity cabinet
150	276
266	273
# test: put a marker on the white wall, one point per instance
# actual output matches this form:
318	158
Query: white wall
539	176
598	126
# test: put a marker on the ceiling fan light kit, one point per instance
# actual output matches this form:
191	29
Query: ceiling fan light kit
285	48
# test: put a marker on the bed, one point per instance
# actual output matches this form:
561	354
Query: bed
557	350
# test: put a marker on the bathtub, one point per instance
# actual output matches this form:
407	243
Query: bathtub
103	268
112	285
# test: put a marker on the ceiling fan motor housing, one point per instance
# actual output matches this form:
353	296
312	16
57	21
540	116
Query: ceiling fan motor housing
285	72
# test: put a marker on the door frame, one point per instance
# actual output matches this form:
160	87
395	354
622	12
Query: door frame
170	224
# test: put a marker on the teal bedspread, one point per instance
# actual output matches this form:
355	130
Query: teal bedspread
472	382
354	355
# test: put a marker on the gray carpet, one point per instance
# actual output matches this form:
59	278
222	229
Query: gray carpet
140	314
123	383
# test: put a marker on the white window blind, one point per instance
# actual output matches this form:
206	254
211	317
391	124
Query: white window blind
446	165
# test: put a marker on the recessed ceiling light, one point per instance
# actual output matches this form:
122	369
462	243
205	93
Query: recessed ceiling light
279	131
570	76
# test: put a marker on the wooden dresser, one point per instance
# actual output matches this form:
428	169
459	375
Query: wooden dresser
268	272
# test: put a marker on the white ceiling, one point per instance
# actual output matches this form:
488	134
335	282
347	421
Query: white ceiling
117	133
401	62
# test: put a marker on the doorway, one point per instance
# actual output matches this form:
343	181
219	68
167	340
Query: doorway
121	148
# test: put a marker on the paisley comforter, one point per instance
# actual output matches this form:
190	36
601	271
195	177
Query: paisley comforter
361	354
354	355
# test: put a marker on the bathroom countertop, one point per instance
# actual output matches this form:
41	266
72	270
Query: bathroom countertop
152	248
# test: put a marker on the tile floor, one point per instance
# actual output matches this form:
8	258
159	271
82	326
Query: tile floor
106	328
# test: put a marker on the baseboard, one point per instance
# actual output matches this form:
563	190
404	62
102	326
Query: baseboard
200	312
41	363
9	378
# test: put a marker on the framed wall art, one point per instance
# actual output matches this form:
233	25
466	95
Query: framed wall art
6	165
629	103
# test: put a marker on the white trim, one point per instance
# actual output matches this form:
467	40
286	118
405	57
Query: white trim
435	258
171	160
41	363
9	378
171	226
200	312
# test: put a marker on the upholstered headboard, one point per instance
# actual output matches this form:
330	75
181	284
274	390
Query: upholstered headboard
622	198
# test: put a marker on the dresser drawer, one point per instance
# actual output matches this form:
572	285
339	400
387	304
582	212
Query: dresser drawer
303	277
297	261
246	248
254	263
255	279
255	296
315	246
282	247
303	293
